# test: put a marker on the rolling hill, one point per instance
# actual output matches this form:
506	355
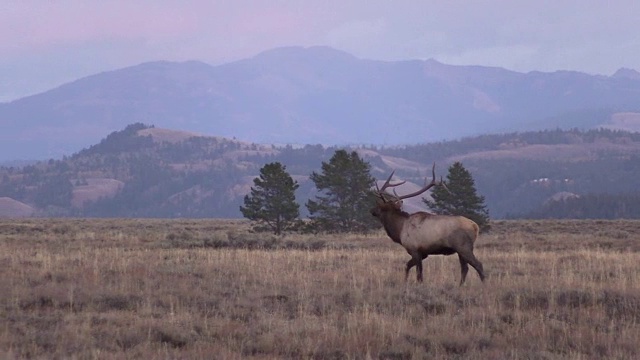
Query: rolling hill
145	171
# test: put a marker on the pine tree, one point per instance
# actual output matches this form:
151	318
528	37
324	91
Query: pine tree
460	197
345	195
272	199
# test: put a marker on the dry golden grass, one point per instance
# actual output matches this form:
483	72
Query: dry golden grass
112	289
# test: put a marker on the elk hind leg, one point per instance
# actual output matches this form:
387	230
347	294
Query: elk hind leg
419	270
411	263
471	260
464	269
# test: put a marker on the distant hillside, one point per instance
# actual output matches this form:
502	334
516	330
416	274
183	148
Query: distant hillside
314	95
145	171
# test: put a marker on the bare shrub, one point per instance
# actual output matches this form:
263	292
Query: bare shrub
120	302
434	308
613	234
574	298
170	336
395	355
526	300
329	354
128	338
456	346
621	306
283	304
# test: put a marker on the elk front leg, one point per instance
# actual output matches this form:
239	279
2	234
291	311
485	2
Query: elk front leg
417	259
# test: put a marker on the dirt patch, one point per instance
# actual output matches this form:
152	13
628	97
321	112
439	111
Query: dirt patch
95	189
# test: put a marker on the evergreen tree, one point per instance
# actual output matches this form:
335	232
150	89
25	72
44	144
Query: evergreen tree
56	191
272	199
345	195
460	197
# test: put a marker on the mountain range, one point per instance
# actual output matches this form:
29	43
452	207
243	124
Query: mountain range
315	95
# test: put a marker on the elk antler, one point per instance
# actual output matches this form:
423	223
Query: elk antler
426	187
380	191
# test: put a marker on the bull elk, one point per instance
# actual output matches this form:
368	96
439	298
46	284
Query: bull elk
423	234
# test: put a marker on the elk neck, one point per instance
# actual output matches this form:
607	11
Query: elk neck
393	222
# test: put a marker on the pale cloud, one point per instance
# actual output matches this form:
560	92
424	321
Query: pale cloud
34	26
357	33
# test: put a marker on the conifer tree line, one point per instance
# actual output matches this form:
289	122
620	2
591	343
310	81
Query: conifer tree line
345	197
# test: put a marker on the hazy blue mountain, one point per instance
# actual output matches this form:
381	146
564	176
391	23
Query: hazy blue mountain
311	95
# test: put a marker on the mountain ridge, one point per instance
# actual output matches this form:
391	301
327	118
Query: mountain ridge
311	95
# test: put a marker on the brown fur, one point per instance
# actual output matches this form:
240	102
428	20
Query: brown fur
423	234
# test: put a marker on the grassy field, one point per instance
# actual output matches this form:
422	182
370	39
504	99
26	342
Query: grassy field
190	289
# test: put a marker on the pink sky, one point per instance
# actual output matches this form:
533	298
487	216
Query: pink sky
45	43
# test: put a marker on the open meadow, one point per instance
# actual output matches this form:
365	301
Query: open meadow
203	289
